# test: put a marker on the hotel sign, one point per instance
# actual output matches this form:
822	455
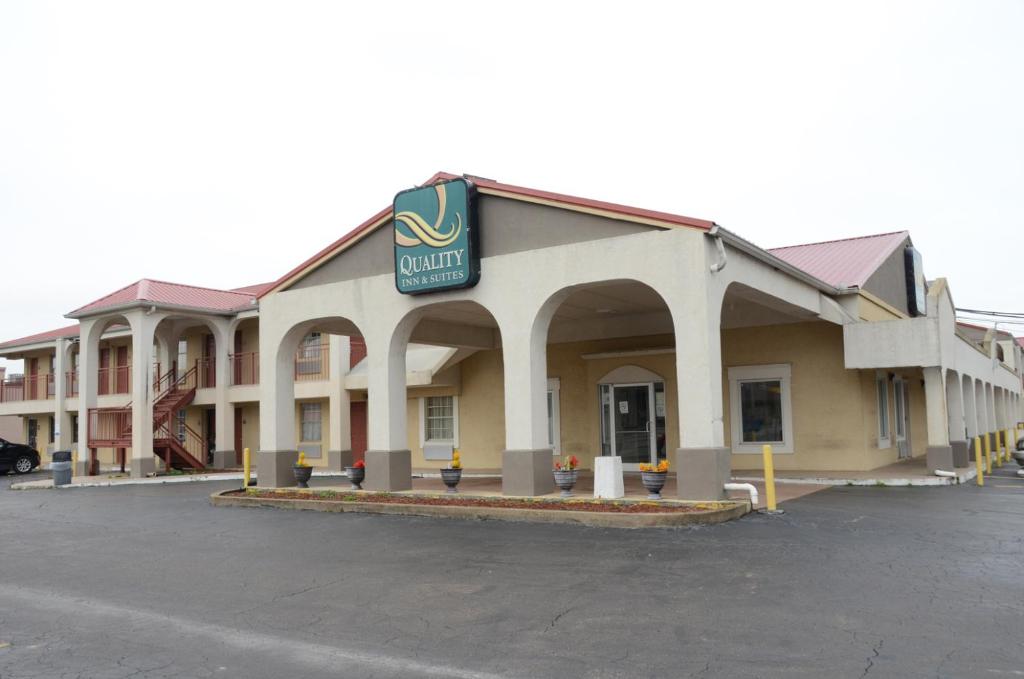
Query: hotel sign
436	239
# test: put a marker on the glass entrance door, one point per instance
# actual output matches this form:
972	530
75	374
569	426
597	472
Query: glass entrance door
632	418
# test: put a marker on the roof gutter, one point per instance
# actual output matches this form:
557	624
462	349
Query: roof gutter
748	248
151	307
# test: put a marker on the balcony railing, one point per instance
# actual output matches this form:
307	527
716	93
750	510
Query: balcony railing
71	383
311	362
245	368
206	372
27	388
111	426
114	380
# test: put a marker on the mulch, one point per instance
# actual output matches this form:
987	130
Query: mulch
608	506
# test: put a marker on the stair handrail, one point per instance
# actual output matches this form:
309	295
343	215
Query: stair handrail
194	443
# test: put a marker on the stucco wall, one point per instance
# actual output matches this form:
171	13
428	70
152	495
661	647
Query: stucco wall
835	411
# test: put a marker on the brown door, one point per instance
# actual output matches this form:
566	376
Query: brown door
33	379
357	412
122	370
238	435
209	356
103	374
211	434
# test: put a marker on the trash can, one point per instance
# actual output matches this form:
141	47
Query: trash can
61	467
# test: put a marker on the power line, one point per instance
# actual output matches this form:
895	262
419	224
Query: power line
1000	314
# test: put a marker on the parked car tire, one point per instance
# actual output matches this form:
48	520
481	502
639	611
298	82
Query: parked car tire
23	465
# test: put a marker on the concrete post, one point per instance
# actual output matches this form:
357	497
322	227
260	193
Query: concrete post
703	463
143	325
970	415
339	452
61	417
990	401
957	425
88	381
224	415
277	451
526	462
388	459
940	453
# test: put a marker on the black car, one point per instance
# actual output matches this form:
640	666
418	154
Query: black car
18	457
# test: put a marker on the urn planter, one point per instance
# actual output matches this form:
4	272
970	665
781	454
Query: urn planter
356	476
565	479
302	475
451	478
653	482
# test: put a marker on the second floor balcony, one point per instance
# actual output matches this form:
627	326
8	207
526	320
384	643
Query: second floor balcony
38	387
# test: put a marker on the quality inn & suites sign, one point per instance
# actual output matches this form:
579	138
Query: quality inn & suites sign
436	238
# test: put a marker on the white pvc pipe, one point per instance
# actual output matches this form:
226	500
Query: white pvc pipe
749	487
943	472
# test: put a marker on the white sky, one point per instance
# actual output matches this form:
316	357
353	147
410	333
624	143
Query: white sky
221	144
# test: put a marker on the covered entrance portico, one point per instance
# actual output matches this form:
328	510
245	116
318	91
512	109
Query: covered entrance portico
570	294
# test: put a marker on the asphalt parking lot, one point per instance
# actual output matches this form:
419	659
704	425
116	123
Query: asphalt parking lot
151	581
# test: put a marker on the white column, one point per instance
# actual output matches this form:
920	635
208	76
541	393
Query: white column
981	407
388	459
955	407
88	381
143	327
224	409
61	418
277	408
698	339
339	452
935	406
524	354
970	409
990	401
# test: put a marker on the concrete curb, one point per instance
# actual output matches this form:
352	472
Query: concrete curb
45	484
593	519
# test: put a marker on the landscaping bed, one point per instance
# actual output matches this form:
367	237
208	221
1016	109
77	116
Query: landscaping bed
604	513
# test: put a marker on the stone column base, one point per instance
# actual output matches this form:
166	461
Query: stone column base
224	459
388	470
527	472
337	460
939	457
701	473
960	454
274	468
142	467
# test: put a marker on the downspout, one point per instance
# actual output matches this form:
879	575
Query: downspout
720	246
748	487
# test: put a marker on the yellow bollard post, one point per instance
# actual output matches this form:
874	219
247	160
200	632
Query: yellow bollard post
246	467
988	453
769	479
978	464
74	461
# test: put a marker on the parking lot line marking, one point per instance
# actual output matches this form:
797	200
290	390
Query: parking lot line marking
318	655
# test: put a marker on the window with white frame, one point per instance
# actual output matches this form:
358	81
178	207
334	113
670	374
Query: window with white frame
309	417
554	416
439	419
761	408
882	395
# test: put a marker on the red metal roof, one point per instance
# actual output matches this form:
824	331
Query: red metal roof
510	189
843	263
173	294
256	290
66	331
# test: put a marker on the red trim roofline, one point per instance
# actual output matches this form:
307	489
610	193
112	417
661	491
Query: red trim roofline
504	190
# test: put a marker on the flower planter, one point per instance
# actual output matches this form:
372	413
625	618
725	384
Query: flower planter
302	475
653	482
565	480
451	478
356	476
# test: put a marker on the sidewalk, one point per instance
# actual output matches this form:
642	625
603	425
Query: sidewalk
913	472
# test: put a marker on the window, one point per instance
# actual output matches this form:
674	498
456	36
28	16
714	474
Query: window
308	359
554	416
440	418
52	427
180	426
74	428
900	401
310	418
882	392
182	363
760	408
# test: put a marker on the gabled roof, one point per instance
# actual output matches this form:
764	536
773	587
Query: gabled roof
256	290
491	187
844	263
169	294
49	335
